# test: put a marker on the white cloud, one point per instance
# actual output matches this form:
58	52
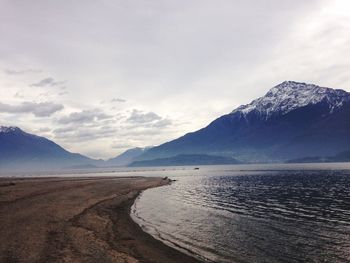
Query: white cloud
85	116
47	82
21	72
118	100
42	109
143	117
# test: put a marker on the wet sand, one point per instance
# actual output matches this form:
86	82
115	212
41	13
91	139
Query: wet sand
77	220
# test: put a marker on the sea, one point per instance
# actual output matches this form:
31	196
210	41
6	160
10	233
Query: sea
252	213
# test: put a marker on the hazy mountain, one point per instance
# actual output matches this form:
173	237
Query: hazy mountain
340	157
20	150
186	159
127	157
292	120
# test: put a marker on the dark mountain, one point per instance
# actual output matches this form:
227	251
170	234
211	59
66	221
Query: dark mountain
292	120
340	157
313	159
23	151
126	157
186	159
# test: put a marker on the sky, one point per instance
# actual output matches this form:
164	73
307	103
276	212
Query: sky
99	77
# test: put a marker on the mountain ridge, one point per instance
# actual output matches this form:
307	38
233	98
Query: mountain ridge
293	120
290	95
186	159
126	157
21	150
260	131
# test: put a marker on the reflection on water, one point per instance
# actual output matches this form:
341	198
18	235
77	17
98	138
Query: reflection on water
230	215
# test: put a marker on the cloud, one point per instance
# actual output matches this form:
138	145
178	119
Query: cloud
19	95
44	129
47	82
85	116
62	93
162	123
64	130
118	100
226	60
147	119
83	133
21	72
119	145
141	117
114	100
42	109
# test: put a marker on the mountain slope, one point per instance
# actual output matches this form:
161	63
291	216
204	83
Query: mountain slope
292	120
20	150
186	159
340	157
126	157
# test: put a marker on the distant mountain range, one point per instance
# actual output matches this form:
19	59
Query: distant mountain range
20	150
293	120
186	159
340	157
127	157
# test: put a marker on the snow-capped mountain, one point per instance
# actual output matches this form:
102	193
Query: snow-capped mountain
291	95
292	120
20	150
12	130
5	129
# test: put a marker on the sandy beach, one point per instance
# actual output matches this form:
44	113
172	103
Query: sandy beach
77	220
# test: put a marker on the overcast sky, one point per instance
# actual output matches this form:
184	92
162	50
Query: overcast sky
99	77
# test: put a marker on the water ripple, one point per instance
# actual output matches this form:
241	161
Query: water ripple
261	216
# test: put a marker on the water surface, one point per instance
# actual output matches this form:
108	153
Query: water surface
284	213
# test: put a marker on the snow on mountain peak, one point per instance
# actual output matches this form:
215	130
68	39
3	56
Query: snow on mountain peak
290	95
8	129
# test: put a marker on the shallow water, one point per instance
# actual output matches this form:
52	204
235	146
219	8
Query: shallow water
293	213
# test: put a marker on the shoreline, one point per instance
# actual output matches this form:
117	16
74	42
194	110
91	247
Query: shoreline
77	219
167	243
